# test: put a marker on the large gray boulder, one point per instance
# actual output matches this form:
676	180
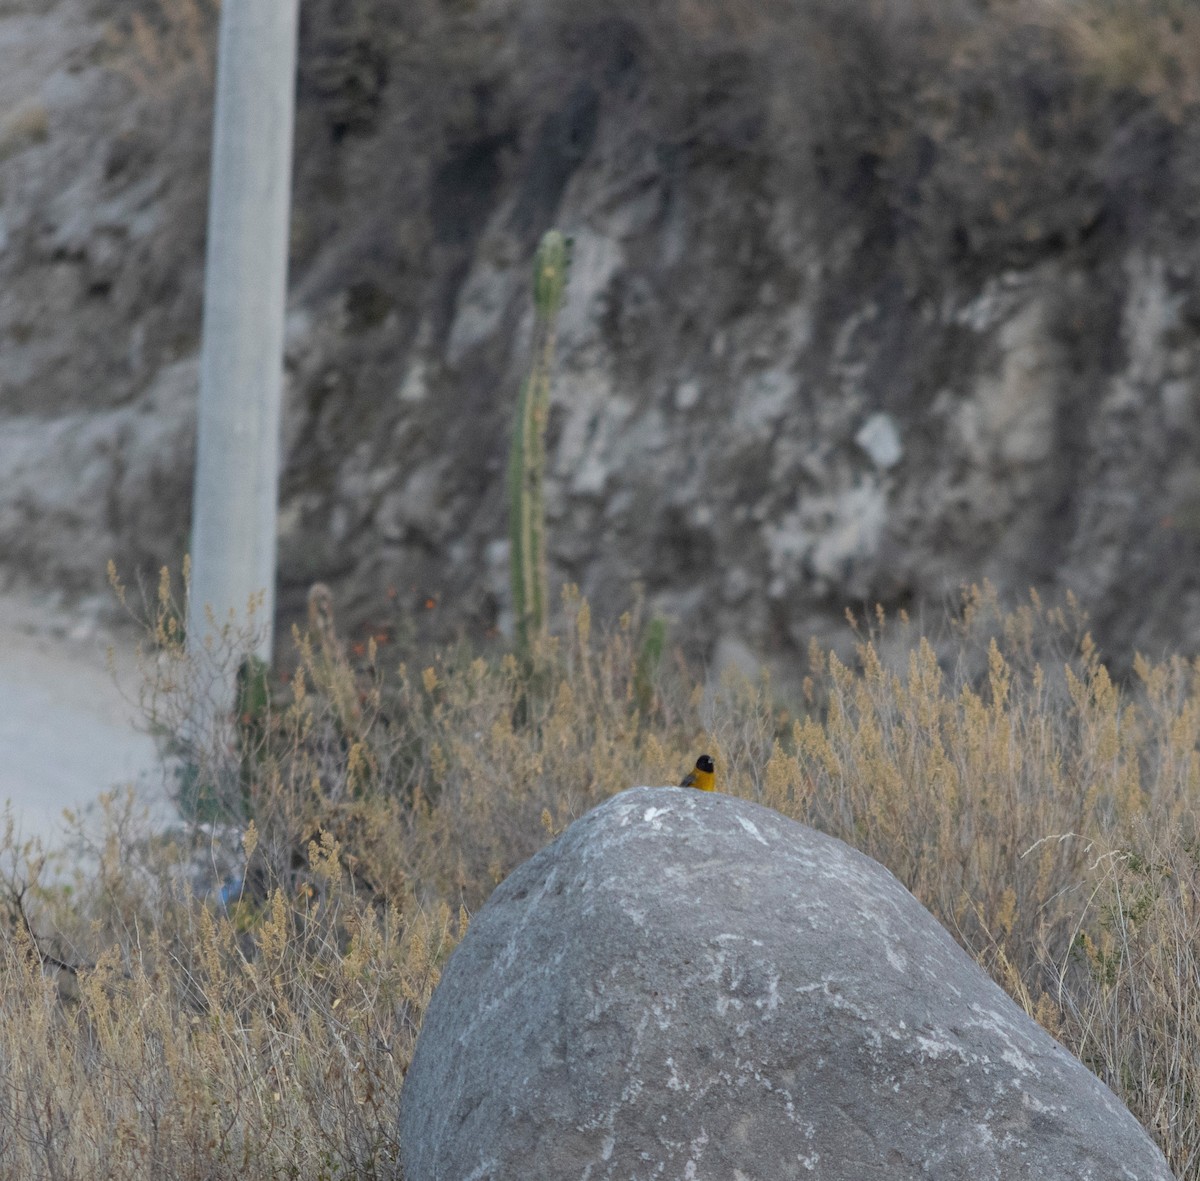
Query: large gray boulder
687	985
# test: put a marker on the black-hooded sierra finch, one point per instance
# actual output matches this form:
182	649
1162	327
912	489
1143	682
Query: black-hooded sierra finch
703	776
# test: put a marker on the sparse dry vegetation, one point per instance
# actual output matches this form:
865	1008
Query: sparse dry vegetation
1147	47
242	996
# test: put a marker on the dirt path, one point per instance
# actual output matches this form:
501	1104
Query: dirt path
67	719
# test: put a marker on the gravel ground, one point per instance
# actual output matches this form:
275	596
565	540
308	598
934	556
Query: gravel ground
68	691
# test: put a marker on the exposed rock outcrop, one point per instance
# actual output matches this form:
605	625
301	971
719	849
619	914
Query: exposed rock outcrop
862	308
685	985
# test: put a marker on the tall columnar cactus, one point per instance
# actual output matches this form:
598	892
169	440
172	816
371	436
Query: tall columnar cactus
527	459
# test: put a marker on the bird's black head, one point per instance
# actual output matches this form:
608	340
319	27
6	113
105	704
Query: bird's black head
705	763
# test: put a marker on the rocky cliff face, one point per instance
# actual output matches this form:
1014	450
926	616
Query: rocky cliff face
863	307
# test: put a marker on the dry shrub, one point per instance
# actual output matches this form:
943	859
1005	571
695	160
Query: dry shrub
266	1041
1127	995
158	1025
438	779
1151	47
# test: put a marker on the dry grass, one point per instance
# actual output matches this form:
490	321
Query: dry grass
1046	816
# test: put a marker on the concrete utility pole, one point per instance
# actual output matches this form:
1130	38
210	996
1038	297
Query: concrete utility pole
241	357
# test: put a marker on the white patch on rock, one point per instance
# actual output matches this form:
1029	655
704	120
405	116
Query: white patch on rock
1036	1105
1018	1061
1009	419
879	437
763	400
414	388
593	428
938	1047
595	259
687	395
1151	312
748	825
771	1001
825	534
987	309
483	299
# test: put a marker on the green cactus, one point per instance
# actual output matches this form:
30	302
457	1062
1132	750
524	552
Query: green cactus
527	458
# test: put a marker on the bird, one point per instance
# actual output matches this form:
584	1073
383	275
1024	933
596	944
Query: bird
703	776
